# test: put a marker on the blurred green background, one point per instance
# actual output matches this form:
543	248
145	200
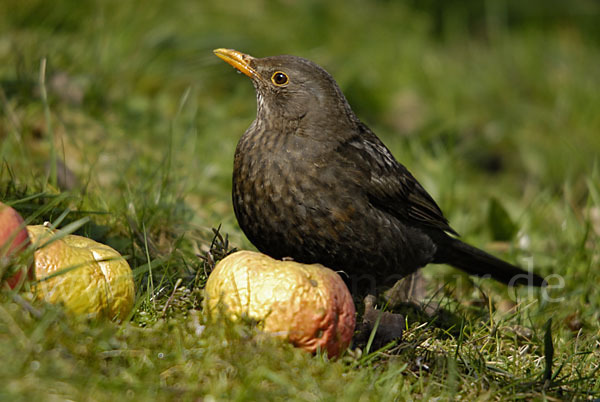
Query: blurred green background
507	89
500	84
478	99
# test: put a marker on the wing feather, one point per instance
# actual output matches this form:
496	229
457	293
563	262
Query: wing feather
391	187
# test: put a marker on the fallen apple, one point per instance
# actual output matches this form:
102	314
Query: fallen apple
86	276
13	240
309	305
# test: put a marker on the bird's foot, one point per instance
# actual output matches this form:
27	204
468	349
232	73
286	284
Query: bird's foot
385	325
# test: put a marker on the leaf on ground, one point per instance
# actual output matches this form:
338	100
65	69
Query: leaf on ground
548	351
500	223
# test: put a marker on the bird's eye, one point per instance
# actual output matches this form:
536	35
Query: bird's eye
280	78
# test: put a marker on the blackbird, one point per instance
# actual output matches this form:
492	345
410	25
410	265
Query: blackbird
313	183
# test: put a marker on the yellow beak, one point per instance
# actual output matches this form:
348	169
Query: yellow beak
238	60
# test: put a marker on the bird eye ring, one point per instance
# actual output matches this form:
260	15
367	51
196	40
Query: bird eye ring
278	78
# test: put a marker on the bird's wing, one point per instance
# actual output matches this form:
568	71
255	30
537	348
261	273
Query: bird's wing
391	187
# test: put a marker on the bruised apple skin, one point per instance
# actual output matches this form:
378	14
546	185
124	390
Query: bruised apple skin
13	240
95	279
309	305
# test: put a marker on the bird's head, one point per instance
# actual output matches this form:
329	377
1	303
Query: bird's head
290	87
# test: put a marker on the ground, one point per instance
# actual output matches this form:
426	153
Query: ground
119	113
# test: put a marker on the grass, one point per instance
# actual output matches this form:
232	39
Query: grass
494	110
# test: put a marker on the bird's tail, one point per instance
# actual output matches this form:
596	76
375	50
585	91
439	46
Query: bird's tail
477	262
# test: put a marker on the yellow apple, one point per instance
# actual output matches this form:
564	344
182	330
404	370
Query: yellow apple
309	305
86	276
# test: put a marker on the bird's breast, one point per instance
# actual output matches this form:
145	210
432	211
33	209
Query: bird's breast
276	193
272	177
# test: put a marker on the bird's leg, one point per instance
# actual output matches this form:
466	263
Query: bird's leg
411	290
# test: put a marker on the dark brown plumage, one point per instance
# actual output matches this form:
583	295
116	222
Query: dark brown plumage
312	182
